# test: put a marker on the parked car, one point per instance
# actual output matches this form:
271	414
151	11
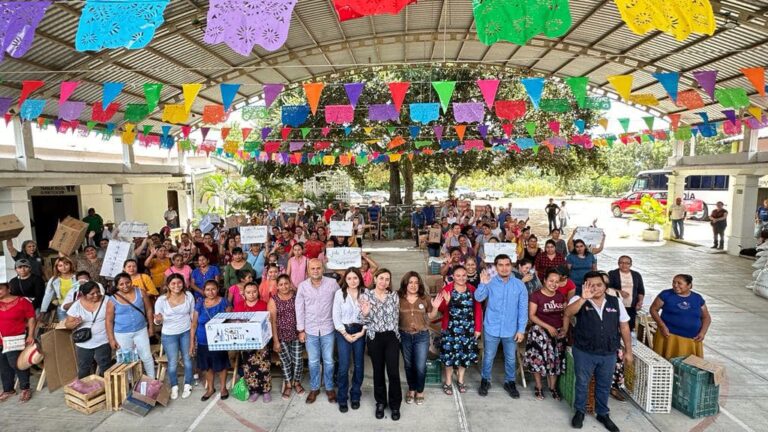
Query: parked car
489	194
376	195
620	207
355	198
464	193
435	195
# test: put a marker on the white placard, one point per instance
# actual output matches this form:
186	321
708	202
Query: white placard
3	270
253	234
289	207
519	213
493	249
591	236
341	228
343	258
129	230
114	258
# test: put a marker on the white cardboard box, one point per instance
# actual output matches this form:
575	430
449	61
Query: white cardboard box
238	331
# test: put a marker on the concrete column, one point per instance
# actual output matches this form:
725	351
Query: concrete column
749	143
15	200
692	150
741	212
25	148
675	188
678	151
122	202
129	159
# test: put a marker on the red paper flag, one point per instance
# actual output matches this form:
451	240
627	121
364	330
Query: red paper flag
246	132
510	109
271	146
284	132
27	87
185	129
8	117
225	132
508	127
350	9
756	76
674	121
398	90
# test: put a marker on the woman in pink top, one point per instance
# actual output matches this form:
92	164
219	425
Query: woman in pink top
368	268
297	265
268	286
179	267
235	294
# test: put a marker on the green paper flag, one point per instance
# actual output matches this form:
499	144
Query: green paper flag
391	129
578	87
555	105
361	159
444	91
422	143
624	122
649	121
251	146
611	139
305	131
135	113
732	97
536	148
147	129
152	94
531	128
90	125
683	133
597	103
347	144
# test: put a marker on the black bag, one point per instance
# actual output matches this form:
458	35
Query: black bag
84	334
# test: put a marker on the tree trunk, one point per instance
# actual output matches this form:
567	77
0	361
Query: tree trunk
394	184
407	169
452	186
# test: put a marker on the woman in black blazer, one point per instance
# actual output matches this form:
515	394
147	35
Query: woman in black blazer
632	298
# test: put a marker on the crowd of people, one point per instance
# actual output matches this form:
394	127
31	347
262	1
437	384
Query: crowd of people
170	288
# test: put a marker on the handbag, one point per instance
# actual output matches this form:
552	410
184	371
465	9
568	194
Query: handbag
84	334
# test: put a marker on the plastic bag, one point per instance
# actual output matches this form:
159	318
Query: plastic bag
240	390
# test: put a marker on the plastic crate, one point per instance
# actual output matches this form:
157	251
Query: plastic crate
649	380
566	385
434	374
434	266
694	392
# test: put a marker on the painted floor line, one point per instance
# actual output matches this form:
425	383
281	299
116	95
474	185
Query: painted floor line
736	420
202	415
462	415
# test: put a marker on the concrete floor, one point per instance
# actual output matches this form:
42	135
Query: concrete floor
736	338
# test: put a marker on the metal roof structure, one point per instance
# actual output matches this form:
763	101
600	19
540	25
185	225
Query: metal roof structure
597	45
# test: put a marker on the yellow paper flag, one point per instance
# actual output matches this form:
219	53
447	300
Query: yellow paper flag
328	160
756	112
622	84
190	92
313	90
395	157
603	122
175	113
129	134
368	130
646	99
231	147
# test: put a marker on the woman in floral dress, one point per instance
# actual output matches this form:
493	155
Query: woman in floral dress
256	363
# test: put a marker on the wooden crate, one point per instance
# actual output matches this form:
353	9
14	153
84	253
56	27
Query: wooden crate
86	403
118	381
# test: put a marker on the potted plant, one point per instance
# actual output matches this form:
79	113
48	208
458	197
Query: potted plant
652	213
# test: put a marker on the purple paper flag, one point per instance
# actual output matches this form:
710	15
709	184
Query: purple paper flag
354	90
70	110
383	112
241	24
204	132
438	132
483	130
18	22
730	115
295	146
5	104
265	132
471	112
707	80
271	92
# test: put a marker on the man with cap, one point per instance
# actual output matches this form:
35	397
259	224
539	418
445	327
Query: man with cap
109	229
27	284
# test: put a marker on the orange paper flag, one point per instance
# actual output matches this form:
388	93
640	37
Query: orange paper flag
396	142
313	90
756	76
460	129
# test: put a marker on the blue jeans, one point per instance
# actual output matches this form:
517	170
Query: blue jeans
678	226
415	347
140	341
355	351
320	349
172	344
490	345
602	366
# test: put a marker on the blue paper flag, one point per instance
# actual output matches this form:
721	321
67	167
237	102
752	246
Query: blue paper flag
525	143
415	130
228	93
580	125
167	142
166	130
424	112
127	24
32	108
347	130
110	92
110	129
448	144
534	87
669	80
707	130
704	116
294	115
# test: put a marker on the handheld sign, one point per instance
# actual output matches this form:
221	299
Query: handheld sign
289	207
341	228
494	249
519	213
114	258
131	230
343	258
253	234
592	236
434	235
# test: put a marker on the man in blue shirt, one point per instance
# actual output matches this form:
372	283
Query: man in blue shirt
506	315
429	213
417	223
374	212
761	217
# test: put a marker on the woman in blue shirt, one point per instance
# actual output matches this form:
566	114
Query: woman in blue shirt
256	257
683	320
580	261
209	362
204	272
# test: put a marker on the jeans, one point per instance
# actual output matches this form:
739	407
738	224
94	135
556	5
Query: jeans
415	347
356	351
490	345
140	341
718	229
678	227
563	223
383	350
433	251
602	366
8	371
85	357
320	349
552	222
172	344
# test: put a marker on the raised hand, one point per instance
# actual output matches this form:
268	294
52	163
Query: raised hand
485	277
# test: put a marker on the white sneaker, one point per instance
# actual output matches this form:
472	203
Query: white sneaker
187	391
175	392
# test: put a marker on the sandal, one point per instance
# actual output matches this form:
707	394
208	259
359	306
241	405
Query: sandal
555	394
409	398
462	387
4	396
299	389
26	395
419	400
224	395
448	389
286	392
538	393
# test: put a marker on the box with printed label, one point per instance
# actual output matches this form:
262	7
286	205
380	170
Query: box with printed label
238	331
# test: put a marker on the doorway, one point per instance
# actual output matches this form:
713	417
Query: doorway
173	202
47	211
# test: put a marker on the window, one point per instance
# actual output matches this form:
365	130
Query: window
641	183
660	195
707	182
633	196
658	181
694	182
721	182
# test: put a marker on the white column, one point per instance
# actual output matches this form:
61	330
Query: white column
749	143
122	202
741	212
675	188
15	200
25	147
692	150
678	151
129	159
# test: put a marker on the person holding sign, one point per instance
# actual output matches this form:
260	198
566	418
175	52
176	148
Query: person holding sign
601	325
210	362
350	339
256	364
506	316
17	330
314	321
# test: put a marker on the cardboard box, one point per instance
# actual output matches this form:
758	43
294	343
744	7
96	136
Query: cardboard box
238	331
162	398
717	370
60	362
69	235
10	227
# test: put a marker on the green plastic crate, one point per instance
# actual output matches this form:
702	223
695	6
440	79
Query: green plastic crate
566	383
694	392
434	373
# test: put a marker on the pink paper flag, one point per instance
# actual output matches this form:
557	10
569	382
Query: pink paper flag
339	114
488	88
325	131
67	88
554	126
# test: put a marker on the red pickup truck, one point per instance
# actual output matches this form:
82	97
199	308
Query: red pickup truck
696	208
